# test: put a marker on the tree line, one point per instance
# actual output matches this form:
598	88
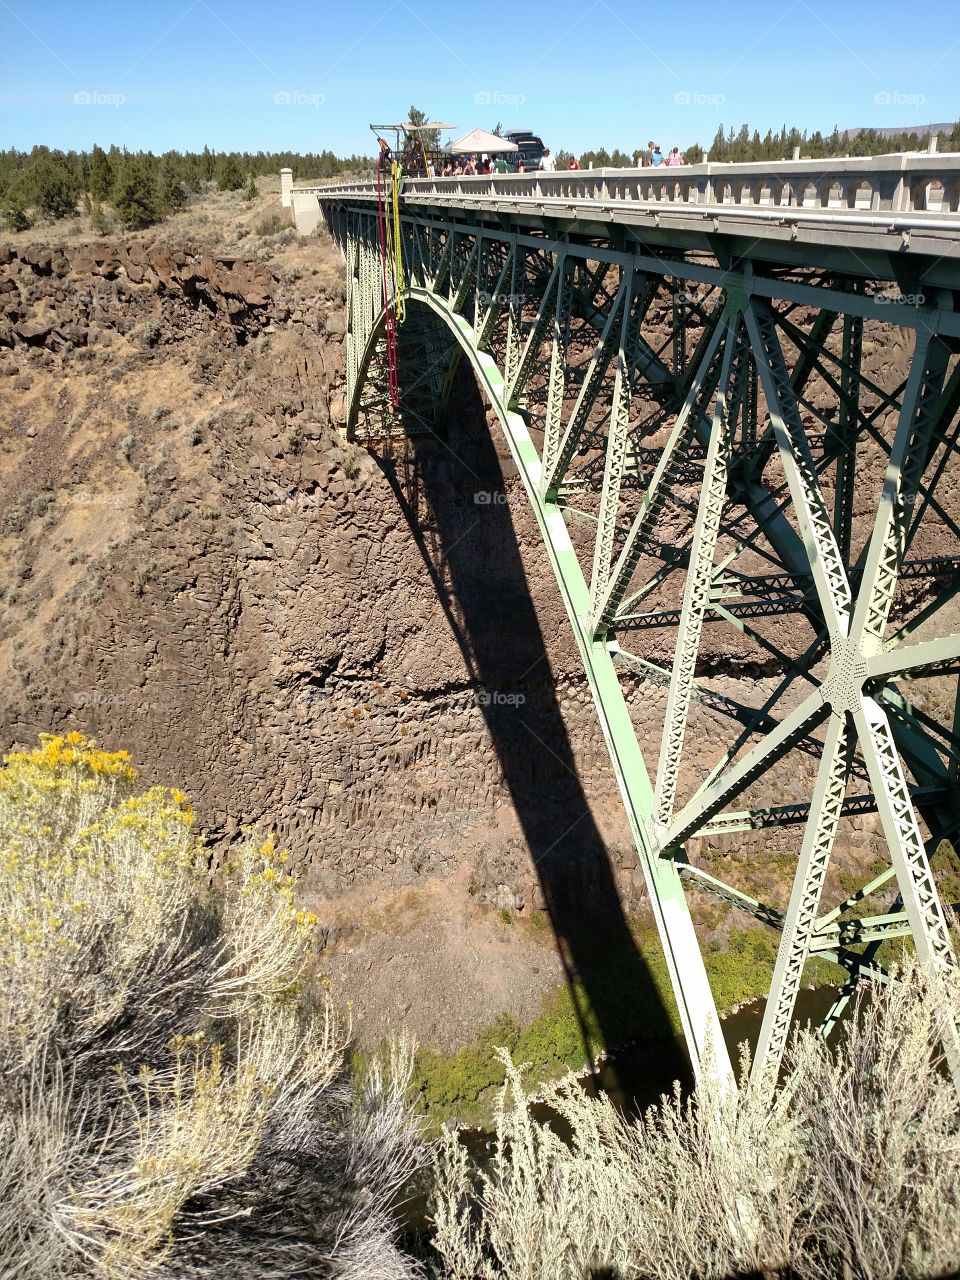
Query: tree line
745	146
141	187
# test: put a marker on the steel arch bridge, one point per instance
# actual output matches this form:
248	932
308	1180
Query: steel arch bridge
691	400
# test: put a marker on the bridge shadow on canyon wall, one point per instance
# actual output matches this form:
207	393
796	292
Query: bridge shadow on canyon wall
451	488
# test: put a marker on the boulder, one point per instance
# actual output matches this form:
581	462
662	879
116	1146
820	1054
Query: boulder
163	263
75	333
33	332
40	259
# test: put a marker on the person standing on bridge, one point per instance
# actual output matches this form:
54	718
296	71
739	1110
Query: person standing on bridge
647	158
657	158
547	162
675	158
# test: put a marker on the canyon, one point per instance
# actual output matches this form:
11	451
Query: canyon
363	650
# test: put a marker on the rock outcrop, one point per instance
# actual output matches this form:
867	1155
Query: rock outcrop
210	577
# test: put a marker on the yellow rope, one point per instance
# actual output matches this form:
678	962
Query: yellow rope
401	307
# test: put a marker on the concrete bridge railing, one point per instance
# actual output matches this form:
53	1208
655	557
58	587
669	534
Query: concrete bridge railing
894	184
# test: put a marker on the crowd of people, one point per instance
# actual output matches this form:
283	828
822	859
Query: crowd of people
653	156
469	165
416	161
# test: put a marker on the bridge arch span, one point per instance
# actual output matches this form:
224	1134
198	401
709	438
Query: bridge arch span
488	375
696	1006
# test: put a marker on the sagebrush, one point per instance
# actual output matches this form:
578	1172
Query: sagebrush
173	1098
853	1173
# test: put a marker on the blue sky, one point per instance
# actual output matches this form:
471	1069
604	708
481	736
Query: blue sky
309	76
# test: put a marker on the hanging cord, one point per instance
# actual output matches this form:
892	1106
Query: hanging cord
398	246
389	322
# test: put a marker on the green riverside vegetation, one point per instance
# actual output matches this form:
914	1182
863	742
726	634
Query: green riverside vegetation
631	988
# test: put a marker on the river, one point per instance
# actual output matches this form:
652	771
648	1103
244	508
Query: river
634	1077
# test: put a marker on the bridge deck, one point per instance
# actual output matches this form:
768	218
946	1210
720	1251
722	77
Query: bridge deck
864	217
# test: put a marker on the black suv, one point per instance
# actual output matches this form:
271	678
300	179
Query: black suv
530	149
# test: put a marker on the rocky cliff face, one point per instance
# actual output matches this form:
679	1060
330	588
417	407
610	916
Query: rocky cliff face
370	656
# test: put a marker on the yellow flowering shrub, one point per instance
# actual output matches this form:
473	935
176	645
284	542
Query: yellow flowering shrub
88	866
167	1059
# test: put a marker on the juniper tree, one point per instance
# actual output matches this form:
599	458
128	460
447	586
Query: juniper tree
52	186
135	197
229	173
171	193
100	180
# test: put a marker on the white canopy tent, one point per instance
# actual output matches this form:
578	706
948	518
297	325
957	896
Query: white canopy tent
480	141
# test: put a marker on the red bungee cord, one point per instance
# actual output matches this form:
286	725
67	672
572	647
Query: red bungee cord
389	319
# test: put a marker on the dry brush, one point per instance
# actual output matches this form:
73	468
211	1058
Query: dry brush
854	1174
173	1098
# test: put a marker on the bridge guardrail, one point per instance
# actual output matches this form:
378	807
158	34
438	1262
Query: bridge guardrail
895	184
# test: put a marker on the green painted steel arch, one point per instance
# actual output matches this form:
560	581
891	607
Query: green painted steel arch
484	365
696	1006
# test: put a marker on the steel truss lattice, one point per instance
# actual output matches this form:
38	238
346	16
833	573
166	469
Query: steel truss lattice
700	438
